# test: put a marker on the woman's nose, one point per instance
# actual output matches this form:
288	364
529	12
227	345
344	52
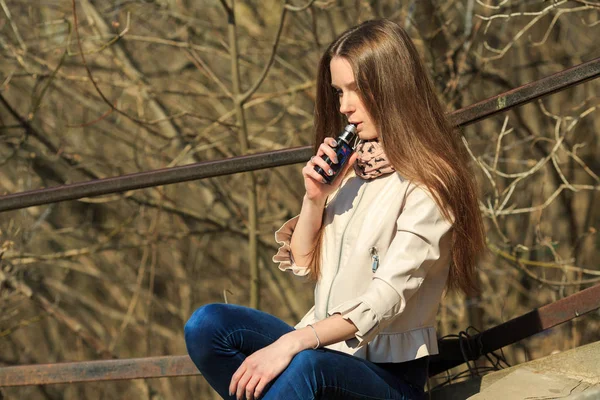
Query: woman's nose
346	105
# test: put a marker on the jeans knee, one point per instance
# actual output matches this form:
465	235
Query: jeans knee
304	361
202	326
301	374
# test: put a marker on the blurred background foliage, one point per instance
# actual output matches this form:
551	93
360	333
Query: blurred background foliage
137	85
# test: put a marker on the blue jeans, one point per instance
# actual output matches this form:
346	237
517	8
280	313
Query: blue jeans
219	337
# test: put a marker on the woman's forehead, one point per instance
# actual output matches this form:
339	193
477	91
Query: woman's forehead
342	74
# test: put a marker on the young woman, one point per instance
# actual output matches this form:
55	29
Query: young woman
399	224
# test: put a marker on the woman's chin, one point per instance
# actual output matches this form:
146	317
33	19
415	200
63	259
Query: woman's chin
367	135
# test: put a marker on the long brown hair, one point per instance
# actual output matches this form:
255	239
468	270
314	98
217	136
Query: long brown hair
417	137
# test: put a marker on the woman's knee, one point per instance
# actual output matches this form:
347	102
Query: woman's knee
306	360
204	322
300	375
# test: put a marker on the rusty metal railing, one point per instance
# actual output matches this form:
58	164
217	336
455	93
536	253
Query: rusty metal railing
452	352
465	116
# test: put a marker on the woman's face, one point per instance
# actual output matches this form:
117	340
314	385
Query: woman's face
351	105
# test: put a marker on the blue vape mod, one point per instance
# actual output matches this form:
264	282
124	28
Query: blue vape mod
344	149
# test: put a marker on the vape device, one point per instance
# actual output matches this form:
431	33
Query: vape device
346	143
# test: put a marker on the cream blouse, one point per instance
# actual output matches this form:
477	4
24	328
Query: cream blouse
385	263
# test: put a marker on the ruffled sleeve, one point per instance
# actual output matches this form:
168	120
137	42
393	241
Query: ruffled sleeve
283	236
415	248
369	312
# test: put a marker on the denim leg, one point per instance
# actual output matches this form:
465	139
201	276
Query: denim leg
219	337
330	374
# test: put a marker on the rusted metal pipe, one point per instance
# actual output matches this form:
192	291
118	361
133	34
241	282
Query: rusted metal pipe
468	115
453	352
165	176
526	93
450	350
102	370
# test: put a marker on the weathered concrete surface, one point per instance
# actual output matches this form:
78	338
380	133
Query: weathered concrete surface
525	383
581	363
561	375
592	393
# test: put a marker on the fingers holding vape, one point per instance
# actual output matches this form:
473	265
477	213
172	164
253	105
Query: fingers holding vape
327	148
338	176
319	164
332	160
314	183
344	149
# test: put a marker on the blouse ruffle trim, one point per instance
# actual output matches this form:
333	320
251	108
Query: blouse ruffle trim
283	236
370	320
394	347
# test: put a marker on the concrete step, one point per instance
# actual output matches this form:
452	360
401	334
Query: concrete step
575	372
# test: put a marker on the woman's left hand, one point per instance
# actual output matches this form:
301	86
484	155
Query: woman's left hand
260	368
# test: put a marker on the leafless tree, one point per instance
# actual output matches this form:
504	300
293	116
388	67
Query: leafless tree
92	89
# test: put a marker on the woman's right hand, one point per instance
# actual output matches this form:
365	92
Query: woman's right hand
316	188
